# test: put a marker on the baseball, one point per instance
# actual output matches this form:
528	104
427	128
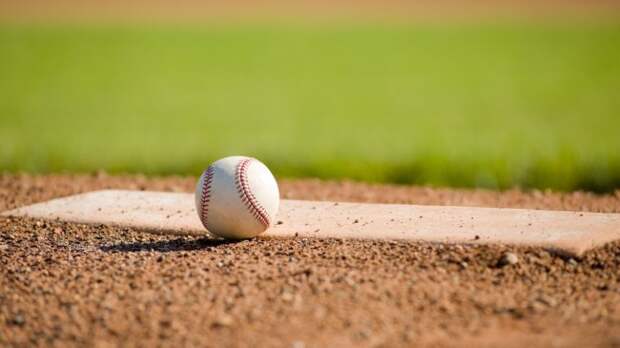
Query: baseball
237	197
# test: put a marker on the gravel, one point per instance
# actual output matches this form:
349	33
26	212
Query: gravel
74	285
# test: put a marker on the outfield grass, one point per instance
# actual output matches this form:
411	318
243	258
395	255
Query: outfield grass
494	105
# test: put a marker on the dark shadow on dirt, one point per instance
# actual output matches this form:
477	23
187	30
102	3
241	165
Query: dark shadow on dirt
179	244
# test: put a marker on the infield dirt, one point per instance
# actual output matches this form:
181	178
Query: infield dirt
67	284
191	10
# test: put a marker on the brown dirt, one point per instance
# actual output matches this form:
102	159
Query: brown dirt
200	10
65	284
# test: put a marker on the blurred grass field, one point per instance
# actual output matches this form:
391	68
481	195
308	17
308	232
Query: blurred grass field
491	105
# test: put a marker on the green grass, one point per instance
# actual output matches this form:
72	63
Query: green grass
493	105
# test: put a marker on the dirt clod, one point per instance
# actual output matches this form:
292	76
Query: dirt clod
508	259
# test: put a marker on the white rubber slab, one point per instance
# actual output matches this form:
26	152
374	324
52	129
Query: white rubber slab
568	232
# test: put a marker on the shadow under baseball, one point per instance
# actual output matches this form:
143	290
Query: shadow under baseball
179	244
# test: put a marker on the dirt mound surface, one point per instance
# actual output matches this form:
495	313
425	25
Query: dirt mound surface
68	284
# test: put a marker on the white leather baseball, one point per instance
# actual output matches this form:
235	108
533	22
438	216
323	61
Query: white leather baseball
237	197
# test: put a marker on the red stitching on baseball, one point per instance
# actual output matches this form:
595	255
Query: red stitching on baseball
206	194
246	195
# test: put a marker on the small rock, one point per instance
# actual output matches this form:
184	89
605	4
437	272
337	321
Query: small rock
287	297
279	222
223	320
18	320
508	259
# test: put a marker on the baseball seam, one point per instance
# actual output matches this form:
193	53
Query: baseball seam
246	195
206	194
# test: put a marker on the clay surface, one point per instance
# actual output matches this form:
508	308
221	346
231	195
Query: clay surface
568	232
67	284
199	11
